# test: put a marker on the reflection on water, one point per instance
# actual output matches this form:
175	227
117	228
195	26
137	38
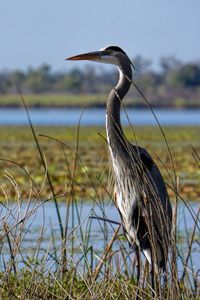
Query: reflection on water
41	222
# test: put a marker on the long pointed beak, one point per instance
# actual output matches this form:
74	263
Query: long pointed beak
88	56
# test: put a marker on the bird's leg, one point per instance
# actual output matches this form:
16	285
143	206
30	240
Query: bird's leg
137	251
146	274
152	275
165	280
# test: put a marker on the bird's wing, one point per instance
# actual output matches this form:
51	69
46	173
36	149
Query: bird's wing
154	199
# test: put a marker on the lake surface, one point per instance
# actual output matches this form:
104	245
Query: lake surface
42	222
96	116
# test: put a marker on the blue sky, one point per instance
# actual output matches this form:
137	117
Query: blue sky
33	32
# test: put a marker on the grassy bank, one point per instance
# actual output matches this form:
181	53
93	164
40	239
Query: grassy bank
81	100
35	286
53	100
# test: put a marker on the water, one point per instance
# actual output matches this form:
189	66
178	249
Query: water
96	116
42	222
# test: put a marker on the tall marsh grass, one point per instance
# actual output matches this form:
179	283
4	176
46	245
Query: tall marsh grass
70	266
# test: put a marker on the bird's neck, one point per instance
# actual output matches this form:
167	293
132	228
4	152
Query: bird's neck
115	135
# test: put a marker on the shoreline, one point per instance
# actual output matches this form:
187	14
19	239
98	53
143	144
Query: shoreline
92	106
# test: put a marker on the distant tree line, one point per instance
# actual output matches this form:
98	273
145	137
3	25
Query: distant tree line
174	81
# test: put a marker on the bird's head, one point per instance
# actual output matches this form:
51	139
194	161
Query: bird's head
110	55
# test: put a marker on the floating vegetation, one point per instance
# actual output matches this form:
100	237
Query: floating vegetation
58	144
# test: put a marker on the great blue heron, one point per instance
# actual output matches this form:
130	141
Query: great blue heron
141	194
